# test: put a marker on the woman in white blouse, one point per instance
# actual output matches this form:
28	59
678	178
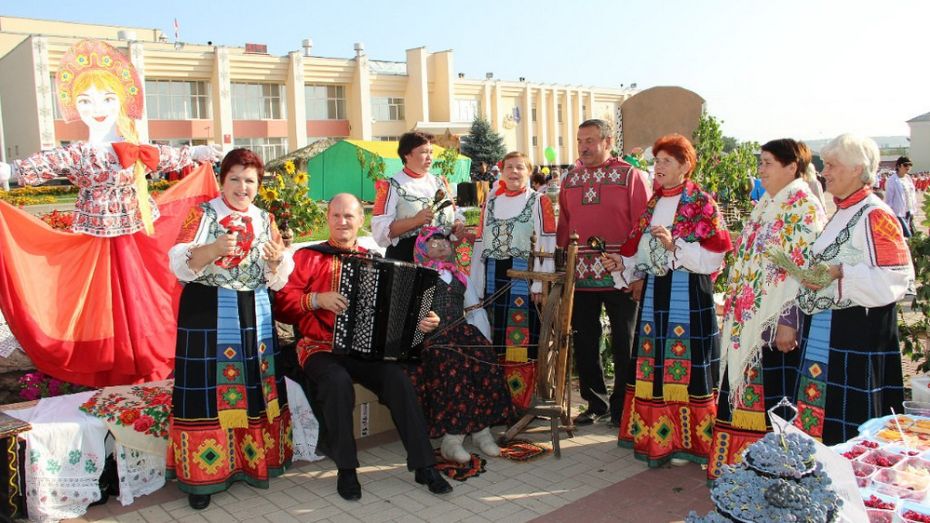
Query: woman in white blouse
512	214
850	359
678	243
411	199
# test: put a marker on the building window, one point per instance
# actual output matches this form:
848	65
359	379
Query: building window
560	142
466	110
386	108
559	112
535	141
325	102
177	100
584	112
178	142
387	138
258	101
266	148
533	114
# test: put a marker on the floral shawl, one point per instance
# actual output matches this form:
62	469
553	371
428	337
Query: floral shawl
758	291
697	219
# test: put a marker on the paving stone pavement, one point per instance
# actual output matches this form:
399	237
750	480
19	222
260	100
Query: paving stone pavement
594	477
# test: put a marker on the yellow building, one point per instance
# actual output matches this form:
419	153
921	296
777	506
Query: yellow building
242	96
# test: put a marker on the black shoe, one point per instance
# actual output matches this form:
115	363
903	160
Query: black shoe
431	477
586	418
347	485
198	501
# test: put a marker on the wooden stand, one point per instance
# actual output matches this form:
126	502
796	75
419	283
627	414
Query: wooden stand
552	397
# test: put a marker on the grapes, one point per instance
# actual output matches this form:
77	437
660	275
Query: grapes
779	481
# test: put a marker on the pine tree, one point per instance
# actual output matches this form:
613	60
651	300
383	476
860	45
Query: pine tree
483	144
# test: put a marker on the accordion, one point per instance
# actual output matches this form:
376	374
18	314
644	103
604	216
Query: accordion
387	299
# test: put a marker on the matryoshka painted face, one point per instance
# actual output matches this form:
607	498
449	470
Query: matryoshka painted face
98	109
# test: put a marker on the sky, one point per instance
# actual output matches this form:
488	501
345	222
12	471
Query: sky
807	69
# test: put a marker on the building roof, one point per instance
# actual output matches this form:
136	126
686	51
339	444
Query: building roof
922	118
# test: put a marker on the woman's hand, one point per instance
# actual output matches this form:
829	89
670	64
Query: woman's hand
425	216
429	323
786	338
458	229
612	262
332	301
636	289
225	245
536	297
665	236
273	253
836	272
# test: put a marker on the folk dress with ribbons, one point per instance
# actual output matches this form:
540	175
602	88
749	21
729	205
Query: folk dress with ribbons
230	420
850	360
670	401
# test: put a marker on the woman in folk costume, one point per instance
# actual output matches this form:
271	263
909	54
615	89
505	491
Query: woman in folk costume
230	420
461	387
512	214
103	311
850	358
411	199
760	321
679	242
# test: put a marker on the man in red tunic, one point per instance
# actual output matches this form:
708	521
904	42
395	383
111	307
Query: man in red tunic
602	197
310	303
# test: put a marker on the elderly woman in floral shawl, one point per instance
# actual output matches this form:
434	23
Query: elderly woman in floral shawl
758	362
678	244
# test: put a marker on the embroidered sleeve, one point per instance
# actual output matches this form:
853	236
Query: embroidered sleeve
886	241
173	158
382	188
191	225
548	215
43	166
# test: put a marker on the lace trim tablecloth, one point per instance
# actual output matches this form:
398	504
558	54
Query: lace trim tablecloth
65	454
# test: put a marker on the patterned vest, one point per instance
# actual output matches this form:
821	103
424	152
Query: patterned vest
840	251
250	273
409	204
510	237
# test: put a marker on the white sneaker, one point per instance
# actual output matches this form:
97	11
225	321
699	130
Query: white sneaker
485	441
451	448
679	462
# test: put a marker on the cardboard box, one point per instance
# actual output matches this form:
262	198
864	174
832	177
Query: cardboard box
370	417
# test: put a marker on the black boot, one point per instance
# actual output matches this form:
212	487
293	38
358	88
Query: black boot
347	485
198	501
431	477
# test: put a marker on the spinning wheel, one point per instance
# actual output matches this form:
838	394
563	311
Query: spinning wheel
552	396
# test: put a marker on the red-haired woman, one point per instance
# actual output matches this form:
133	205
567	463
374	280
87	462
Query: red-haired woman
230	417
678	243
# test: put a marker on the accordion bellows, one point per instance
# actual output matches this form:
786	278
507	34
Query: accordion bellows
387	299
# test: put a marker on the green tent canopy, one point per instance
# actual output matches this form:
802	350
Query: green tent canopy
336	169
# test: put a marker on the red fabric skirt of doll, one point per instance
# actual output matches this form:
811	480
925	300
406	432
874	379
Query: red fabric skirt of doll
95	311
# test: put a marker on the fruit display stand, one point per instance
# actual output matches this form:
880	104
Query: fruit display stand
891	461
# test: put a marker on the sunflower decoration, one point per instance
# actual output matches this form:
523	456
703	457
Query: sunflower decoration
286	196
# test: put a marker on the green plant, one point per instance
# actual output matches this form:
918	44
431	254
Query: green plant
372	164
483	144
726	175
914	334
446	162
287	198
472	216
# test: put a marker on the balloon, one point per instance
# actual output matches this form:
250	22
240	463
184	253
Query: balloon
550	154
544	170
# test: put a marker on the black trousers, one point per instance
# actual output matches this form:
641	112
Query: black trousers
586	324
332	397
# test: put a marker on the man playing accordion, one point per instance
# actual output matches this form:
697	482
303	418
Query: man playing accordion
310	302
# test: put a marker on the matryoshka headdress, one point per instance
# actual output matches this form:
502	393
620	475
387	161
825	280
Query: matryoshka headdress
96	55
